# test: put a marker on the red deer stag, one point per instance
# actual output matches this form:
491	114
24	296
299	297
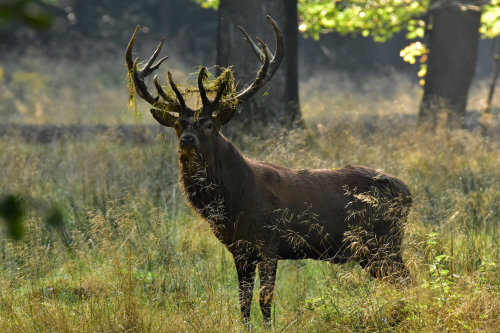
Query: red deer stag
263	212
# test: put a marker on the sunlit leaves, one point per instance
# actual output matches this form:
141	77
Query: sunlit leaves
490	20
379	19
416	29
213	4
411	53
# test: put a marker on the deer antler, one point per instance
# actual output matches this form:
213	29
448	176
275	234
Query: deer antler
270	64
166	102
163	103
209	105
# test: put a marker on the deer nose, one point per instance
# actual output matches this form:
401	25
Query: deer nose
188	140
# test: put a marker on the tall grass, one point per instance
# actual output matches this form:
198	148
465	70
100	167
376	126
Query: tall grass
130	256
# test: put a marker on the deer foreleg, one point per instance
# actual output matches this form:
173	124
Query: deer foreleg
267	275
246	276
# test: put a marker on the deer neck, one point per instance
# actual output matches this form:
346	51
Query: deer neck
215	183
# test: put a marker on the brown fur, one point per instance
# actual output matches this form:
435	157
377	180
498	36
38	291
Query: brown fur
263	213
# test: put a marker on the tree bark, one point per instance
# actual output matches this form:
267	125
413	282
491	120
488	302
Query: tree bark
453	36
278	101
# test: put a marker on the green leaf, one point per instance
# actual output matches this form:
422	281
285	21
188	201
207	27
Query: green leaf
380	19
490	20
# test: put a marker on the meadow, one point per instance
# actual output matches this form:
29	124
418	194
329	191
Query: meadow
110	245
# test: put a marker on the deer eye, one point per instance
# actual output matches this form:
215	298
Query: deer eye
208	126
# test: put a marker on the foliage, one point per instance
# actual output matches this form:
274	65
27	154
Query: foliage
33	13
490	20
380	19
411	53
212	4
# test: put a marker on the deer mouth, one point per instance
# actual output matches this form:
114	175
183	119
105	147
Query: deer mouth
188	150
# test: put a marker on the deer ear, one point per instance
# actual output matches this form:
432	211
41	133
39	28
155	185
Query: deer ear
163	117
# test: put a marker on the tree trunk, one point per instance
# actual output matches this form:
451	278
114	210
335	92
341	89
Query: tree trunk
278	101
453	36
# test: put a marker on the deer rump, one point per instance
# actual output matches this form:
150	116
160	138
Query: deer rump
272	212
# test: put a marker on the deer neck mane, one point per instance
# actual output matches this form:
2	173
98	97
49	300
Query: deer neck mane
209	180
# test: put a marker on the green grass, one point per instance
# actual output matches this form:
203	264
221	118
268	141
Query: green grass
130	256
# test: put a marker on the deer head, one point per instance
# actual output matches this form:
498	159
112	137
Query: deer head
193	126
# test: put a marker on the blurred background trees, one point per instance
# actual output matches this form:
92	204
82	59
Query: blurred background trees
450	29
104	26
445	38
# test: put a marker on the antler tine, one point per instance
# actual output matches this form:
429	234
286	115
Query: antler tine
280	46
219	94
202	75
138	76
141	88
270	63
176	91
261	76
265	48
252	44
259	81
160	90
130	46
163	117
228	113
148	69
279	49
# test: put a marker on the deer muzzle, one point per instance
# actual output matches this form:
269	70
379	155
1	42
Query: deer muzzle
188	140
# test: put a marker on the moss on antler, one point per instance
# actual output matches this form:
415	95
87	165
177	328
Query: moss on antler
132	96
225	81
212	85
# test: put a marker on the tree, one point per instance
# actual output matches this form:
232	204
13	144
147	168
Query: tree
279	103
451	28
490	28
452	37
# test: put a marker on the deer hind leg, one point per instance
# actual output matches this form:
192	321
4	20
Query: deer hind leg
396	271
246	275
267	275
387	267
382	254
